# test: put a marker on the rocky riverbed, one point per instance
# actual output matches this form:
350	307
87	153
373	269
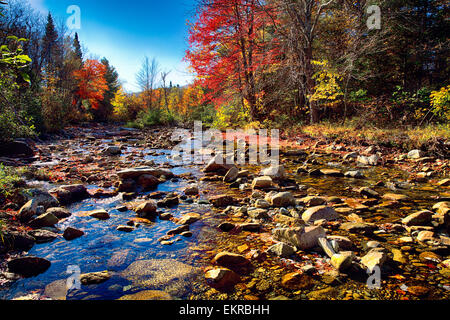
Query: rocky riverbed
112	214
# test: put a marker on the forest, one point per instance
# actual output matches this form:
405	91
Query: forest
256	63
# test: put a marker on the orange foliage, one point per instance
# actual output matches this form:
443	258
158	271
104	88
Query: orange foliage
91	82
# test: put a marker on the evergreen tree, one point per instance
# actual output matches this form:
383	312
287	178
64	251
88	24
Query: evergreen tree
77	48
51	47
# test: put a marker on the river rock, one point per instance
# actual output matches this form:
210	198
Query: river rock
44	220
369	193
415	154
112	151
226	226
231	261
441	208
297	281
60	213
191	190
332	172
100	214
94	278
72	233
43	198
258	213
313	201
374	258
71	193
420	218
146	209
135	173
282	199
231	175
371	161
222	278
124	228
262	182
28	266
218	163
222	201
355	174
320	213
358	227
326	247
342	261
275	172
28	210
189	218
262	204
303	238
43	236
395	197
15	240
16	149
127	185
148	181
282	250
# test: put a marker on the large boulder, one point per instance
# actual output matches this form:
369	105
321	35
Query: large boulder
320	213
146	209
148	181
28	266
28	210
43	221
70	193
15	240
303	238
420	218
231	175
217	164
16	149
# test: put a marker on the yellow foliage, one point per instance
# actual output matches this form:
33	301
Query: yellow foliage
327	90
440	101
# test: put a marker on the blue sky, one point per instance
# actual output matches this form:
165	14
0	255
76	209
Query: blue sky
125	31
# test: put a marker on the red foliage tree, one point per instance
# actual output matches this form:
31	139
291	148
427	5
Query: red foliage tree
229	49
91	83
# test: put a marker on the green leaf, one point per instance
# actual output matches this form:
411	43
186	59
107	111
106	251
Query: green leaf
26	77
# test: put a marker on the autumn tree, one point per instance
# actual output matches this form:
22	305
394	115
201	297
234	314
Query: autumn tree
91	85
228	50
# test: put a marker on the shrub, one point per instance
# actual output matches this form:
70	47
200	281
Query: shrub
9	180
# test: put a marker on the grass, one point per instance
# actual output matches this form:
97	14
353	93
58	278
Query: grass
403	138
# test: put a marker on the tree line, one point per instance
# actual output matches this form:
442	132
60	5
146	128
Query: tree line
291	61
